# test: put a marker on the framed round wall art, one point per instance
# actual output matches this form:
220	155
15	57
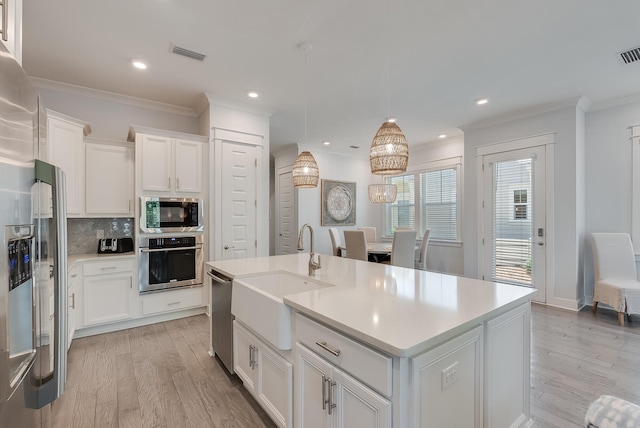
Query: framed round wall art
338	203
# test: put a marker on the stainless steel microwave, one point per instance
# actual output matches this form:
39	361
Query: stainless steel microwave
162	215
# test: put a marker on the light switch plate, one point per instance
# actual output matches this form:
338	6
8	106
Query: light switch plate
99	233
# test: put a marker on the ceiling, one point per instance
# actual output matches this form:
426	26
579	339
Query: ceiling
423	62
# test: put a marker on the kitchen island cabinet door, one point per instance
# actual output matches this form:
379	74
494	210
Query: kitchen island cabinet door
265	374
358	405
447	383
311	389
109	180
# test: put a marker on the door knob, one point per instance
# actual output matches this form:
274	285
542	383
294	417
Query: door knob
226	247
540	243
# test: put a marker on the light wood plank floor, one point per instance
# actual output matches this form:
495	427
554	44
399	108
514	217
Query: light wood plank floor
158	376
162	376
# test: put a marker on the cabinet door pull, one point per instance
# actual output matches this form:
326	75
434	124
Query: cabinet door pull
178	183
324	346
5	20
324	393
332	405
169	182
73	300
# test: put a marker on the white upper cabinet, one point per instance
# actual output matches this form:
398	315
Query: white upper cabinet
188	156
156	163
168	163
109	179
12	34
66	150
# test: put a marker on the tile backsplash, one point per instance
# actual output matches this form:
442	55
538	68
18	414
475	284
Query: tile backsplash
81	232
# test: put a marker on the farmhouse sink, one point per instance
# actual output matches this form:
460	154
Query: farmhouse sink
257	302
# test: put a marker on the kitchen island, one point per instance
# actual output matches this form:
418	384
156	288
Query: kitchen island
427	349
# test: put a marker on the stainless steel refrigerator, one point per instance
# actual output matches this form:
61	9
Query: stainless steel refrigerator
33	259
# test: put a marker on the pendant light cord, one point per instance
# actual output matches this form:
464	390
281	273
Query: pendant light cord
306	90
388	60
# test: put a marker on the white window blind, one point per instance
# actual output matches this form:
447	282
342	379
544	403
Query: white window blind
512	203
426	200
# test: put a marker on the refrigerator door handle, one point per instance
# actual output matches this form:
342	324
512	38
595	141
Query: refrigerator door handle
54	176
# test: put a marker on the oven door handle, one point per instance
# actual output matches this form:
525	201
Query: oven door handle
156	250
217	278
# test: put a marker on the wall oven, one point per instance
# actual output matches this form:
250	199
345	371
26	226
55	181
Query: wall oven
170	262
162	215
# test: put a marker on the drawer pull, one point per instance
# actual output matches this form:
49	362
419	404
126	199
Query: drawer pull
174	303
324	346
108	268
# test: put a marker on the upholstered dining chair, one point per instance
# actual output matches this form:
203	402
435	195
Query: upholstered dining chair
403	249
356	244
369	234
615	280
422	261
336	242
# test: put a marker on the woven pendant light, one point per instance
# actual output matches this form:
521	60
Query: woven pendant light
305	171
382	193
389	153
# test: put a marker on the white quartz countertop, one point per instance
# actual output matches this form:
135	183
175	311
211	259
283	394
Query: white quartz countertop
401	311
75	258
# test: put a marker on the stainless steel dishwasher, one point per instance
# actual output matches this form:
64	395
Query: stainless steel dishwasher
221	318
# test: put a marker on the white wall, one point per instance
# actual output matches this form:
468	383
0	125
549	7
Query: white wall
563	291
110	114
608	176
342	168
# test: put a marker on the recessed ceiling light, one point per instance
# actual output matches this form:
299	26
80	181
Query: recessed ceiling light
441	136
482	101
252	94
326	143
139	64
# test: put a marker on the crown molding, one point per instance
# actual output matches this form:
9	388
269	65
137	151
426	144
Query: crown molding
53	85
577	102
213	100
615	102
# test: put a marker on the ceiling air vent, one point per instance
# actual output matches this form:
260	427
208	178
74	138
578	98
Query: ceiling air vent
631	55
354	147
186	52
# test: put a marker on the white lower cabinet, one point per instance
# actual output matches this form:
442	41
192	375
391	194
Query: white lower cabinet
329	397
267	375
108	291
447	383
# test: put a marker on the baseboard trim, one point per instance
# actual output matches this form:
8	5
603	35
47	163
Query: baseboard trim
138	322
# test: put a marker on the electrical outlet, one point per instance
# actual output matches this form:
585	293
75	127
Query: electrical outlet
99	233
449	376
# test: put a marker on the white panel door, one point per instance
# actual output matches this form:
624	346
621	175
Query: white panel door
285	242
239	202
514	213
188	159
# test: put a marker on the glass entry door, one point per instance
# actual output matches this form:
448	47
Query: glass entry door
514	218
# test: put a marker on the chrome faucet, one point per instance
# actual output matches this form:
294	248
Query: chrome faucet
313	266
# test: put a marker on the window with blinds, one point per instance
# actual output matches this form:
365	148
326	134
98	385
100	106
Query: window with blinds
426	200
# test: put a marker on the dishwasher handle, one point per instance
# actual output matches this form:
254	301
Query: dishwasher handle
218	279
